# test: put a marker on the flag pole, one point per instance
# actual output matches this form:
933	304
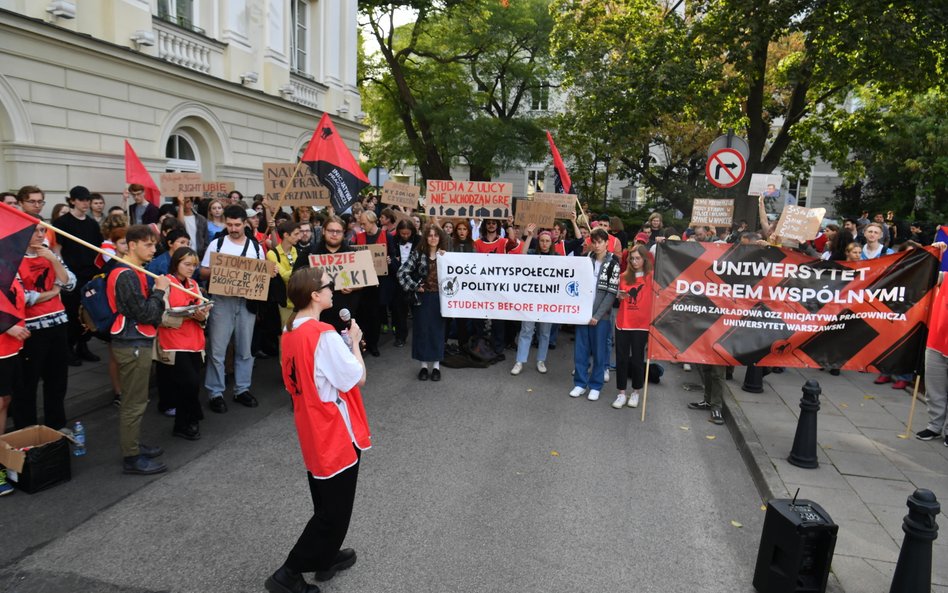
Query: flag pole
119	259
648	363
908	426
286	188
583	212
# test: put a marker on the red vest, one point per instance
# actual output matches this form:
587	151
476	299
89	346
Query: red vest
39	275
9	345
361	238
560	247
325	441
938	327
118	326
190	336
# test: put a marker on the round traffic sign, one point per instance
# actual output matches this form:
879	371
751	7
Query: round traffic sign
725	168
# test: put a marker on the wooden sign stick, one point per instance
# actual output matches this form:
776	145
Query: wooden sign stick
648	363
586	218
289	183
120	260
908	425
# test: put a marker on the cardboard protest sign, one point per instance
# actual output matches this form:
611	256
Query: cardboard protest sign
799	224
400	194
469	199
216	190
304	190
762	184
565	203
519	287
232	275
348	269
745	304
379	257
189	184
542	214
712	212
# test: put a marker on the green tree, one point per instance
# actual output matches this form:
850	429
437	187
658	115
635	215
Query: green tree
456	84
760	66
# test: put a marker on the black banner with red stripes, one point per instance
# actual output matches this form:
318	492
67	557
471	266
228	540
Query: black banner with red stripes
740	304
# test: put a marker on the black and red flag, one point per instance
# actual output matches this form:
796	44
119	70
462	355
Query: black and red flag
561	180
331	162
738	305
16	230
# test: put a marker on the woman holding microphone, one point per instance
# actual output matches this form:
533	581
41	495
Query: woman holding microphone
323	375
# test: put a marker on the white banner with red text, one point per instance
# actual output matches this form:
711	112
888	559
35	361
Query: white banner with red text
545	288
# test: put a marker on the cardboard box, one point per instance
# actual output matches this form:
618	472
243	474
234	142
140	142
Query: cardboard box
44	463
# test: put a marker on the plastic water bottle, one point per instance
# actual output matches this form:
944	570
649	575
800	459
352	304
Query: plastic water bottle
79	434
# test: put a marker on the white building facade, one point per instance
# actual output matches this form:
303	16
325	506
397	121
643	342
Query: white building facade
213	86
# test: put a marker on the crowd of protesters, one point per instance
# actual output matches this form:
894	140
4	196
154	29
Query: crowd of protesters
198	345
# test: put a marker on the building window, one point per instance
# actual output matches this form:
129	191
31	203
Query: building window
535	181
179	12
299	40
181	154
799	189
540	97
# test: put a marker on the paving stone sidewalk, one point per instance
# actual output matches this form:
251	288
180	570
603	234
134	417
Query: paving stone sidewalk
868	466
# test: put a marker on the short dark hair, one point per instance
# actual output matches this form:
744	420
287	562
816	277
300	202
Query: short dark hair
599	234
25	192
135	188
235	211
140	232
175	234
96	196
604	218
287	227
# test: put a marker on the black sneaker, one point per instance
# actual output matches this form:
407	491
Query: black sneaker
344	559
246	399
927	435
423	374
946	440
702	405
143	466
435	374
716	416
217	404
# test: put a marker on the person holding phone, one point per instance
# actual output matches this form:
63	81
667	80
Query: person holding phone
323	376
632	321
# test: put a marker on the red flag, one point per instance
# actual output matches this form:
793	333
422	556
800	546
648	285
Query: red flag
16	230
135	172
561	180
335	167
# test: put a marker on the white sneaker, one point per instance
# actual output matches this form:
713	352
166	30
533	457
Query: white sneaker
593	395
620	401
605	376
686	367
541	366
577	391
634	399
516	369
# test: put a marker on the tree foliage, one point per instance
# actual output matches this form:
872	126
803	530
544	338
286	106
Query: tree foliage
456	85
761	66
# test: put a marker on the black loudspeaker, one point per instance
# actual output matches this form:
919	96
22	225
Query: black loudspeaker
796	548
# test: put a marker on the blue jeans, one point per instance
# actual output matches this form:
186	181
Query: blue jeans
591	341
526	337
229	317
554	334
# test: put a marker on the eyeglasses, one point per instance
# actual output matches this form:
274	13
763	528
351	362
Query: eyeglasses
35	202
331	285
333	231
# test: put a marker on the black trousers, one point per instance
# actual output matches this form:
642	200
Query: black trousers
400	314
323	535
44	356
630	358
179	386
369	316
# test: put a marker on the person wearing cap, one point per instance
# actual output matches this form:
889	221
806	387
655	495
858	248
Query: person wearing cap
81	260
140	211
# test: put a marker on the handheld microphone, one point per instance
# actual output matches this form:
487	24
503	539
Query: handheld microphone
346	317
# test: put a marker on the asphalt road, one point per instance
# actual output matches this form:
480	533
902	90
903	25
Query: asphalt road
483	482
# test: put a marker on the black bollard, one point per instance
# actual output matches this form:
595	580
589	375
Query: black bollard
803	453
913	573
753	379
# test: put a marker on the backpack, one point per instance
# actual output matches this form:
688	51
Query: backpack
95	314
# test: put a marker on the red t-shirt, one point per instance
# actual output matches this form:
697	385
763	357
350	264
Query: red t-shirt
498	245
635	312
938	329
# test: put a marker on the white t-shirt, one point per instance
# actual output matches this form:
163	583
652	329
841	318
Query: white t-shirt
190	226
228	247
